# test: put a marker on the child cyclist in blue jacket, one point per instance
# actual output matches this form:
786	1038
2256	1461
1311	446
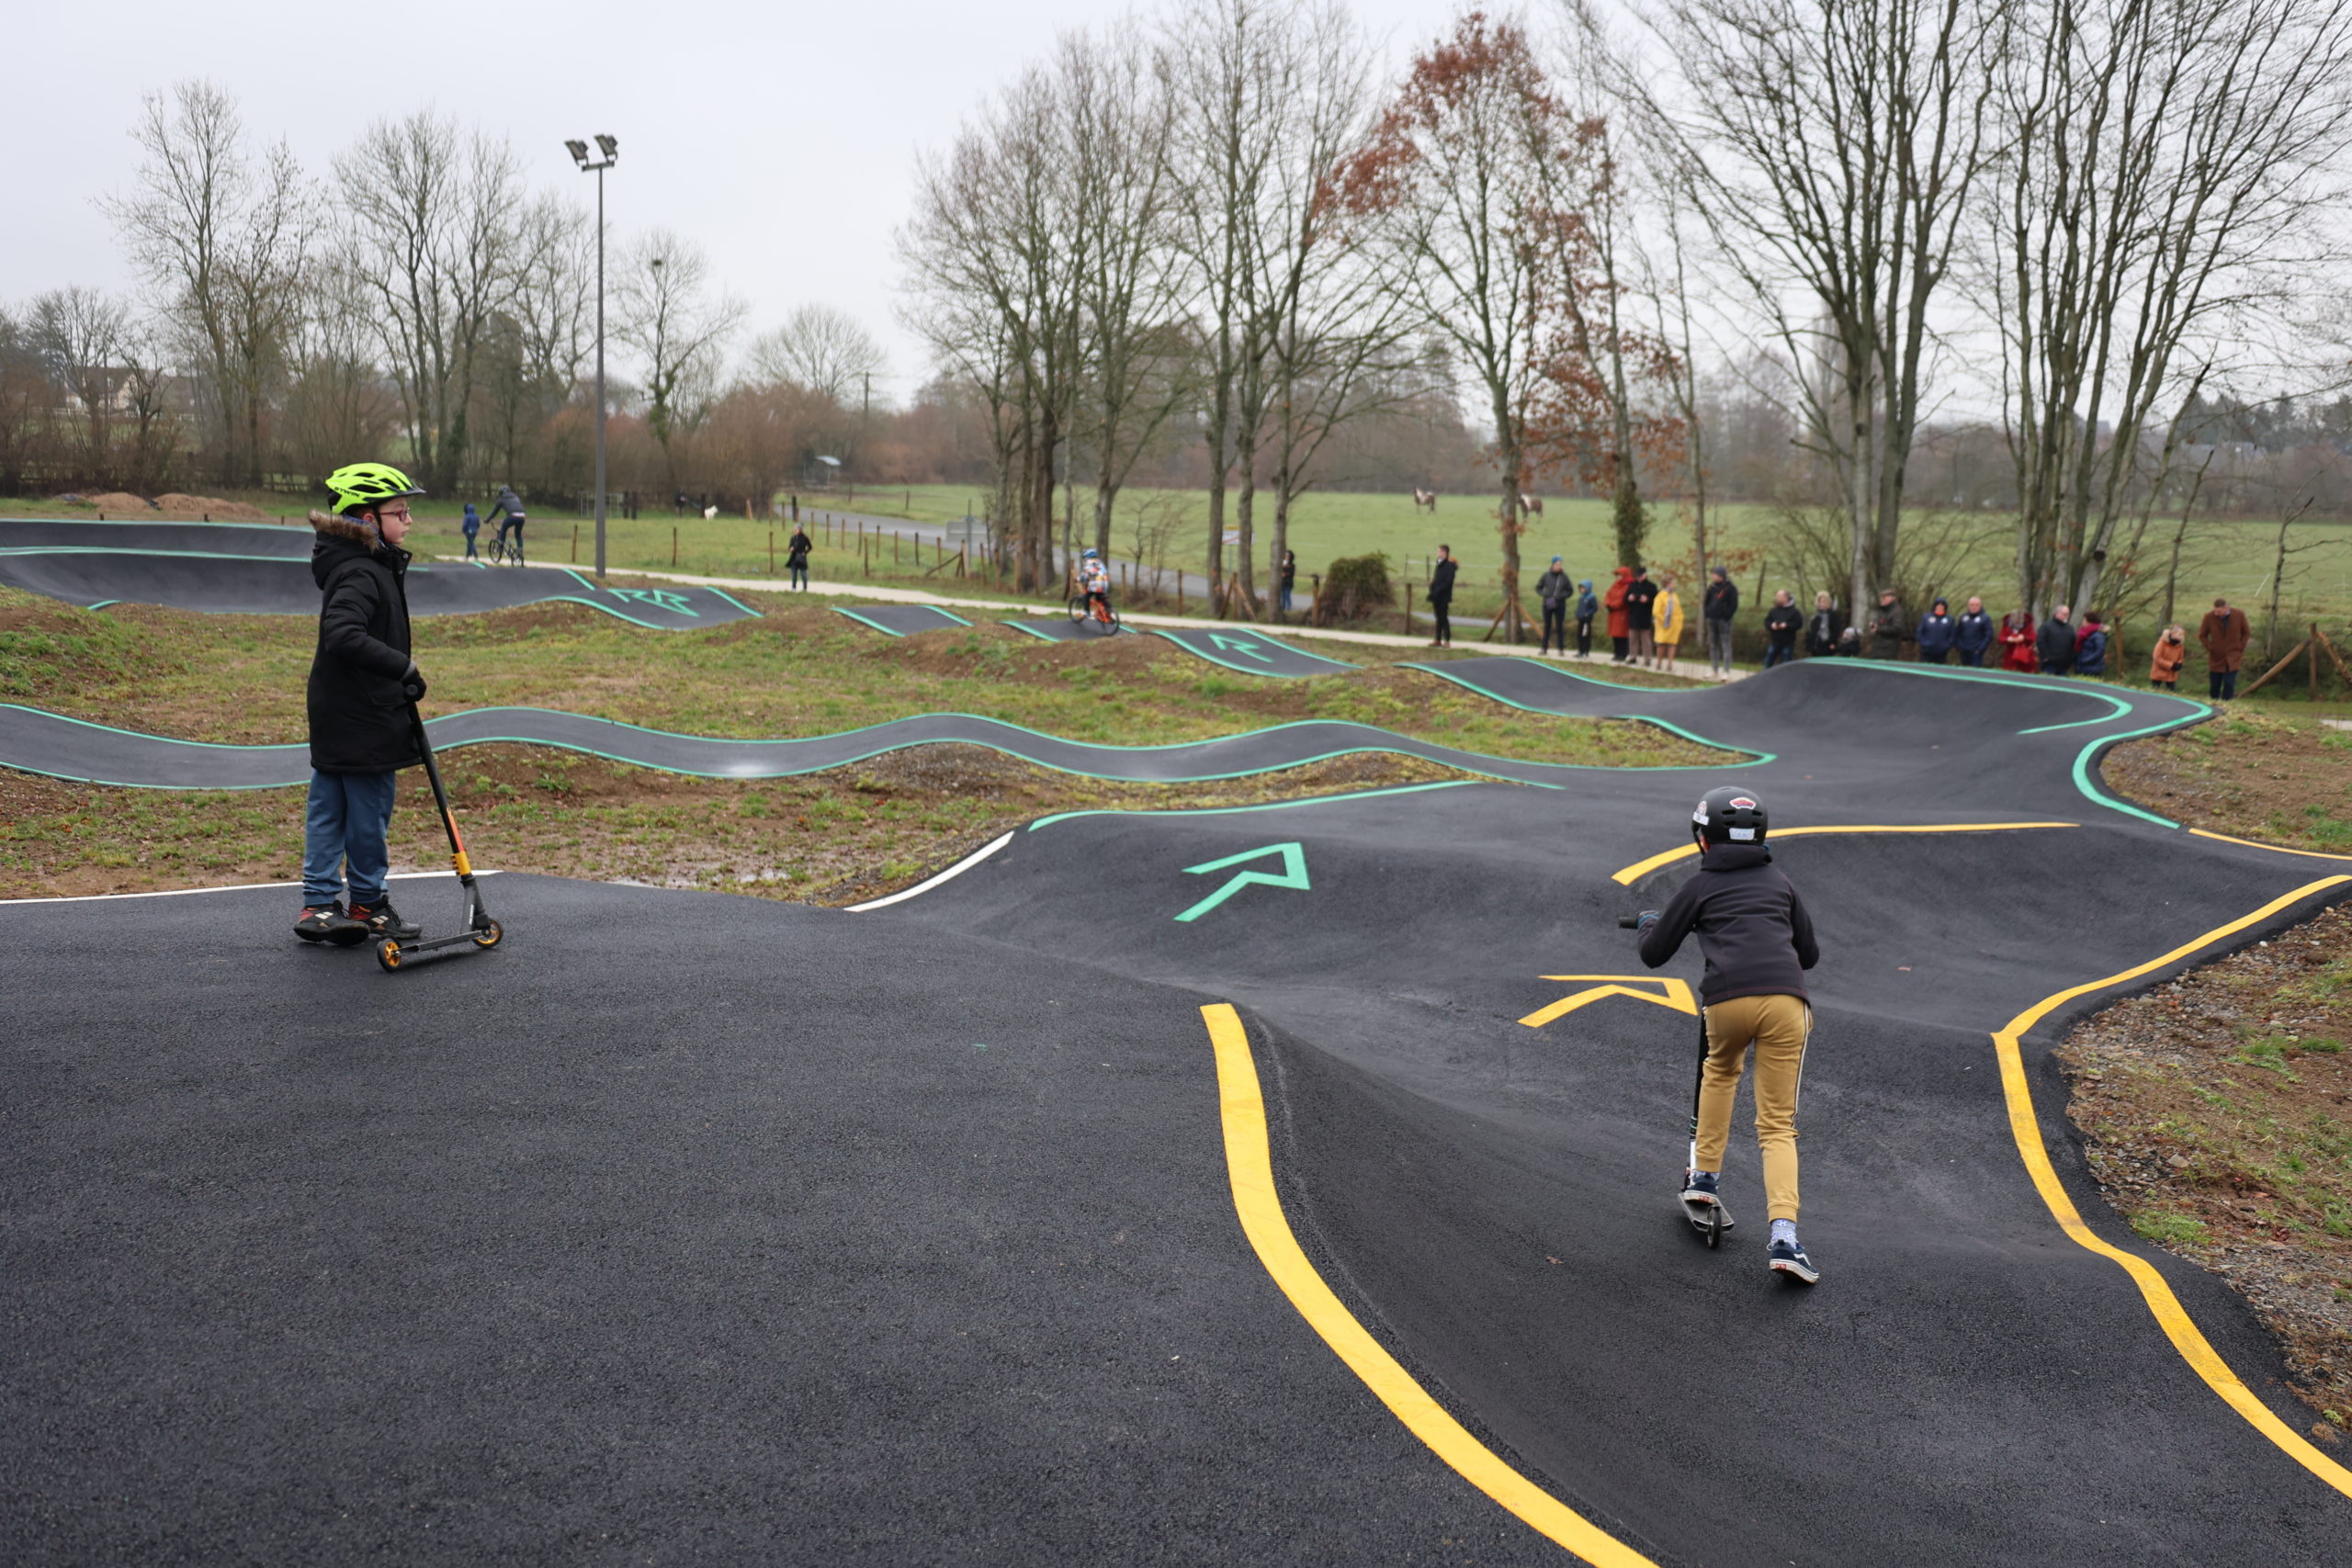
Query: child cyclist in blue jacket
1758	941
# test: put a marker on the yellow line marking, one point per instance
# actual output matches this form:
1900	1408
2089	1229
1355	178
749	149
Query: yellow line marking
1641	868
1677	995
1249	1163
2169	1314
2274	848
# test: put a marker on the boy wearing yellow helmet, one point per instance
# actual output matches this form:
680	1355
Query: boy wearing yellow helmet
362	684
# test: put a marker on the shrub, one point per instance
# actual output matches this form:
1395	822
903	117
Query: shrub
1353	587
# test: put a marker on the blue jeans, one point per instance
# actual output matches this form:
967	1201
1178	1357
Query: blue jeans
472	553
1779	653
348	817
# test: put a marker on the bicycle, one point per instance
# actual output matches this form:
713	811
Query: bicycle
507	547
1099	619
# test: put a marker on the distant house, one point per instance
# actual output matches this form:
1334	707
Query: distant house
822	472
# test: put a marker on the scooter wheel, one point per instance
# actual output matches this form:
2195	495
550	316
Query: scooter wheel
489	935
387	954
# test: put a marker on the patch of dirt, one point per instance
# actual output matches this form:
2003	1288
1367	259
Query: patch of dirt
833	838
2247	773
172	504
2216	1113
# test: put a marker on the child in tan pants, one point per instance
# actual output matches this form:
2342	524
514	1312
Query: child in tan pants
1759	943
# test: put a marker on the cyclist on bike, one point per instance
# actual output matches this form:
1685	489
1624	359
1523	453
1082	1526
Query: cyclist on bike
510	525
1094	582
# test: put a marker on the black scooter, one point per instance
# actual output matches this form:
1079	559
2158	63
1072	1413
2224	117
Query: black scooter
479	928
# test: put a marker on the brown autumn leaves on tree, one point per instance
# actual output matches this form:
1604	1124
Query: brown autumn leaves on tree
1484	188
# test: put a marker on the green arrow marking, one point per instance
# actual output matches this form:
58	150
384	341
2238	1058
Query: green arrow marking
1292	874
662	598
1239	645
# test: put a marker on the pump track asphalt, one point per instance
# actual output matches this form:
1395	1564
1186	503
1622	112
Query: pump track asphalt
1278	1185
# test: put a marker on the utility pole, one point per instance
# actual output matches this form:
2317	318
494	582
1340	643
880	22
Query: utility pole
611	150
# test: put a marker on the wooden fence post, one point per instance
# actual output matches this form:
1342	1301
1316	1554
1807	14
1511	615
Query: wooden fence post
673	547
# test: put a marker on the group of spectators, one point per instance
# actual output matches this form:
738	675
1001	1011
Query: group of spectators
1646	620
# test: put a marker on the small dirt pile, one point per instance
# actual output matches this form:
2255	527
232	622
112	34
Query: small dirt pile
198	506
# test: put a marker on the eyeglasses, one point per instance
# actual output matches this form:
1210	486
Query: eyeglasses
389	512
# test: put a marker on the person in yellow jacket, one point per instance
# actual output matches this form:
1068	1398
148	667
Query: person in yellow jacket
1669	618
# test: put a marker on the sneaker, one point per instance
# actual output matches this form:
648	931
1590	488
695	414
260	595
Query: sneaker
327	922
382	920
1788	1258
1702	1186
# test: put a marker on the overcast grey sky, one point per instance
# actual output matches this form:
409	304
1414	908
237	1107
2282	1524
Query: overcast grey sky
780	136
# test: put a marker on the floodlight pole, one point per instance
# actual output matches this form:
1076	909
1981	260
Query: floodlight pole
611	150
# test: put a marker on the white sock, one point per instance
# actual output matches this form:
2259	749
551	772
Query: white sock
1785	1230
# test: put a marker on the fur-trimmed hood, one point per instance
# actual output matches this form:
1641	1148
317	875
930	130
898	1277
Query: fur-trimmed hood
343	540
330	526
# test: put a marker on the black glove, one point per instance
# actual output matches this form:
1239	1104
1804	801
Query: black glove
412	684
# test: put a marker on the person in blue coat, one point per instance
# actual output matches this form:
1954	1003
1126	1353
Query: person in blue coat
1973	634
2090	648
1937	631
472	526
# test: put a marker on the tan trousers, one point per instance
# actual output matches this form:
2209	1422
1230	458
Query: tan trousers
1777	1027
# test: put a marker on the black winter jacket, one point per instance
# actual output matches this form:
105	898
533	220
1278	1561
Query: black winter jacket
1722	601
1823	631
1442	582
2054	643
1640	605
1781	623
359	714
1753	929
796	550
1555	589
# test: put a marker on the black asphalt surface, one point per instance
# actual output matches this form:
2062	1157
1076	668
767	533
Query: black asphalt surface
38	741
1250	652
287	540
693	1228
903	620
282	585
1067	630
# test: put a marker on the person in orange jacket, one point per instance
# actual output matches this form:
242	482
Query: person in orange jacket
1619	634
2163	665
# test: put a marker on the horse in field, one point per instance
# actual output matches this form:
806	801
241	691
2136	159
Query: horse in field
1425	499
1533	505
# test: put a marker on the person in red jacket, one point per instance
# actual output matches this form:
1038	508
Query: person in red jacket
1619	634
2016	639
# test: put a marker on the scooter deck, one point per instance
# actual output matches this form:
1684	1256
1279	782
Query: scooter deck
1710	1220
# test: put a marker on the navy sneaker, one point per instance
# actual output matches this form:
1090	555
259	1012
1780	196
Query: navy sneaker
1701	1191
382	920
327	922
1788	1258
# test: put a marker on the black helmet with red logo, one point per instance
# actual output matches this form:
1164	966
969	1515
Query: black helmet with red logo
1729	816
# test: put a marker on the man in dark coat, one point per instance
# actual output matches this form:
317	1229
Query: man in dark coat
1781	624
1890	628
1555	589
795	558
1973	634
363	685
2054	643
1717	608
2224	632
1442	597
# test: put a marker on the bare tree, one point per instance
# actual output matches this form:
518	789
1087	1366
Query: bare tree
221	239
820	349
432	237
1457	182
81	337
1834	146
669	314
2163	162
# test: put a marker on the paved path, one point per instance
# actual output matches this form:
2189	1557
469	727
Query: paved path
1274	1185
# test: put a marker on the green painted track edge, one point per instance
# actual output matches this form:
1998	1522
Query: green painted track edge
1244	669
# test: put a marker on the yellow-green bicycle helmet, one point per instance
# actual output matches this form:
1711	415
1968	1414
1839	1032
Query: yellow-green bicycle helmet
357	485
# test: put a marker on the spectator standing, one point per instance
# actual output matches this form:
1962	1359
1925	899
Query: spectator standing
1667	612
1441	598
795	558
1937	632
1973	634
1289	577
1621	631
2224	632
2016	637
1720	604
1555	590
471	528
1781	624
1641	615
1587	606
1823	633
1890	628
2090	645
2054	645
2164	664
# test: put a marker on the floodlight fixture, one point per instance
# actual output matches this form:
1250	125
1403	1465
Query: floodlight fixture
579	152
611	148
